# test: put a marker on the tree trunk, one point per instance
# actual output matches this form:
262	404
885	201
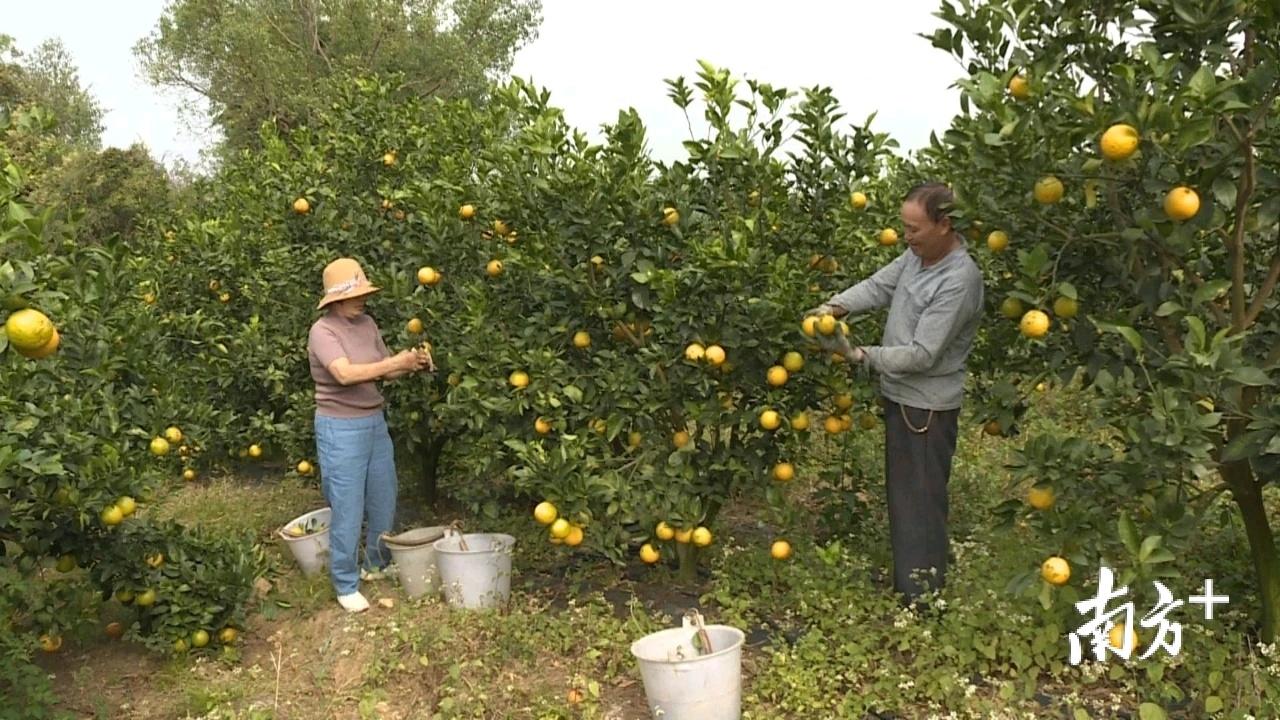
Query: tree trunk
687	554
1248	496
430	457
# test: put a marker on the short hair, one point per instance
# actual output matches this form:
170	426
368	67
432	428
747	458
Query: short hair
936	198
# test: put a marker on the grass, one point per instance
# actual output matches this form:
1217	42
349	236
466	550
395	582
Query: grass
824	640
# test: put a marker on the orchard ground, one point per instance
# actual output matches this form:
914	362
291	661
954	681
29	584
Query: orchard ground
824	639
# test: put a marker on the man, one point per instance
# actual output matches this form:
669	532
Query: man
934	294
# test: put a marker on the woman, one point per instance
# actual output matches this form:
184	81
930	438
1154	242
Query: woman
357	467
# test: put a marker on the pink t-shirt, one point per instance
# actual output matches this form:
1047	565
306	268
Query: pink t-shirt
360	342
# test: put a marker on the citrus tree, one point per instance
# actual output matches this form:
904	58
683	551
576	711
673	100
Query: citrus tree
1121	159
615	336
82	450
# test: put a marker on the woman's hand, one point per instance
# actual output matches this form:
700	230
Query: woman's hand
409	361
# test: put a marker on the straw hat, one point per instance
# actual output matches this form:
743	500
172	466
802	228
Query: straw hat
343	280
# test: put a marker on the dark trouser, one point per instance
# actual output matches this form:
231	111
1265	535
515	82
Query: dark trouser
918	452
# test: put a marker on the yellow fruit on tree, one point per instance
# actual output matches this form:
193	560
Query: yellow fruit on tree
50	643
1034	324
680	439
149	298
45	350
582	339
777	376
846	421
664	531
173	434
155	560
844	401
633	439
1040	498
827	324
466	212
545	512
701	537
888	236
500	227
1116	637
1019	88
684	535
389	159
793	361
1055	571
780	550
694	352
1182	203
188	474
159	446
800	421
784	472
228	636
715	355
180	645
414	326
29	330
255	451
519	379
494	268
858	200
224	298
1011	308
127	505
112	515
1119	142
770	419
1065	307
560	528
670	216
66	563
542	426
301	206
833	424
575	536
427	275
1048	190
304	467
810	326
997	241
649	554
867	421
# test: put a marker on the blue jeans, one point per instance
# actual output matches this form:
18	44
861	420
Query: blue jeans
358	478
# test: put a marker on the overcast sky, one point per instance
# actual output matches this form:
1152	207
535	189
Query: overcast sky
595	57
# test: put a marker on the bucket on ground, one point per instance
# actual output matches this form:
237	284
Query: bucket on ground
680	684
414	553
480	575
308	539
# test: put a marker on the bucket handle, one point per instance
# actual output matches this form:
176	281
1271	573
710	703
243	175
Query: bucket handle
456	526
701	639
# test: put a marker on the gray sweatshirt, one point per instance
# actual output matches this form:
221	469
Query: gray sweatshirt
933	316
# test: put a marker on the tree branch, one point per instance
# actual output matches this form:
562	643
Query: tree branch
1244	193
1264	292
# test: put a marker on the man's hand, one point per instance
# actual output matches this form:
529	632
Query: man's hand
425	352
824	309
850	353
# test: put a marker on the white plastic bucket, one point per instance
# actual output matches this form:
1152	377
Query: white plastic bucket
312	549
680	684
414	554
480	576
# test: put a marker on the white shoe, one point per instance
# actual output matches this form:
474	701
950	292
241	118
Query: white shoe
355	602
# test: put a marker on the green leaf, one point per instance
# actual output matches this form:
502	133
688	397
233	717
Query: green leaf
1210	290
1129	334
1250	375
1202	83
1169	307
573	393
1128	533
1213	704
1151	711
1149	545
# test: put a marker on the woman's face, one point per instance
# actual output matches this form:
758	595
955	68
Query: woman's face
350	309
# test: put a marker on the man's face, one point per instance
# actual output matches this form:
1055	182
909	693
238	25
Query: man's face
929	240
